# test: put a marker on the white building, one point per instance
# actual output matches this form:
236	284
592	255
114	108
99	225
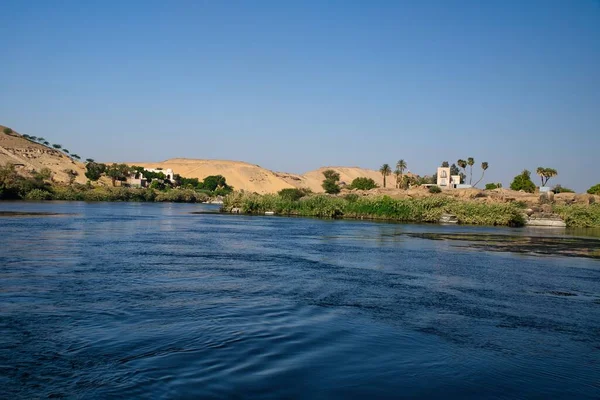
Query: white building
445	180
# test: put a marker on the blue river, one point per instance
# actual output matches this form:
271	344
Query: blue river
128	300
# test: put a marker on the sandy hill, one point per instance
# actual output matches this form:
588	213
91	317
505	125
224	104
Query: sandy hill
240	175
29	156
254	178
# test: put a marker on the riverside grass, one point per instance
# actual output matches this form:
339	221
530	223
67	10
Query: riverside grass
428	209
580	216
82	193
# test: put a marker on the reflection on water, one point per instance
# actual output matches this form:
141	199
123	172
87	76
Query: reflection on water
148	300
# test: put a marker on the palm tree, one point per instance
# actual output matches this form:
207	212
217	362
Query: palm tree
545	174
385	171
401	166
471	162
398	173
484	167
462	164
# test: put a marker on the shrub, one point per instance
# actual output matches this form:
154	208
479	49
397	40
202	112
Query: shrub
8	131
351	197
560	189
38	194
523	182
362	183
435	189
492	186
594	189
293	194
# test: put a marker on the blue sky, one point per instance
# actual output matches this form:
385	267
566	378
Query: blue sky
293	85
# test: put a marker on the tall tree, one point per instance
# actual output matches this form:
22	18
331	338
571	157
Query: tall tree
471	162
401	167
545	174
523	182
484	167
385	171
462	164
330	183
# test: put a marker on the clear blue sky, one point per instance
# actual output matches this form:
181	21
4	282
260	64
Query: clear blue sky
295	85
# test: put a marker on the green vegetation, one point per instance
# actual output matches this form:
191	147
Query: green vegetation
580	216
40	186
545	174
385	171
293	194
594	189
435	189
385	208
561	189
484	167
8	131
330	183
94	170
523	182
492	186
401	166
471	162
362	183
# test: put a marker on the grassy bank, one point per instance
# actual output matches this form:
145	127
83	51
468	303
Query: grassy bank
428	209
84	193
580	216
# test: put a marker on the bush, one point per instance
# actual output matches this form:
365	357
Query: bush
293	194
492	186
351	197
559	189
594	189
363	184
435	189
38	194
8	131
523	182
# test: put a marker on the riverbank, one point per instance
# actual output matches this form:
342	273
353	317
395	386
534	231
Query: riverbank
419	210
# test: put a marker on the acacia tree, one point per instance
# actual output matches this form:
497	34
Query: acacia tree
545	174
71	175
330	183
57	146
94	170
117	172
385	171
484	167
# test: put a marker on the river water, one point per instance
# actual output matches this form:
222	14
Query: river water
150	301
